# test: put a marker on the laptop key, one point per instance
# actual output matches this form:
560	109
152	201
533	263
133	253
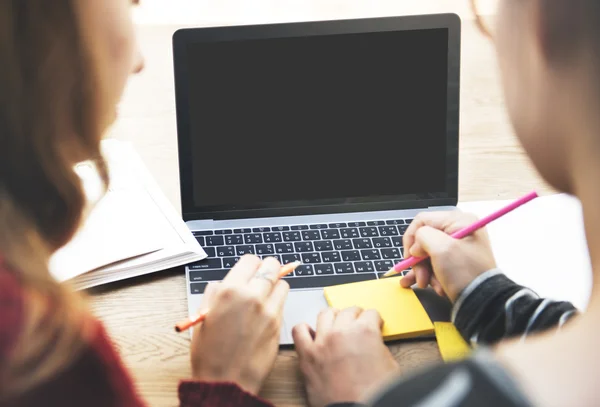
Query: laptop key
253	238
384	265
244	230
364	267
290	258
272	237
397	241
311	258
370	254
356	224
223	251
388	231
215	241
342	244
382	242
264	249
402	228
362	243
244	249
328	280
349	233
376	223
337	225
261	230
311	235
369	232
304	270
323	245
280	228
198	288
330	234
395	222
206	264
390	254
202	232
223	232
300	227
319	226
210	251
408	221
302	247
234	239
350	255
322	269
331	257
284	248
291	236
200	240
229	262
343	268
208	275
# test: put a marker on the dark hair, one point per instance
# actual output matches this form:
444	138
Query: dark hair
570	27
49	121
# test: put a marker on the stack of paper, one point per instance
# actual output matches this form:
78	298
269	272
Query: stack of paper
133	229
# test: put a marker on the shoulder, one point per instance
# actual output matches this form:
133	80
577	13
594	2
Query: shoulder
11	309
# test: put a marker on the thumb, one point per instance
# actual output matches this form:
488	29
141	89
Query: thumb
429	241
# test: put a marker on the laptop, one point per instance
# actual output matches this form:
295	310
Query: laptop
314	141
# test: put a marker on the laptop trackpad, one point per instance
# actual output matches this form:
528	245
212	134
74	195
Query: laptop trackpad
301	307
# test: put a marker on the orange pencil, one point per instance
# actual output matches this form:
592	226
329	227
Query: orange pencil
188	323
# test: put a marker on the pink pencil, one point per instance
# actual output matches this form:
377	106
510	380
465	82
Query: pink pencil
411	261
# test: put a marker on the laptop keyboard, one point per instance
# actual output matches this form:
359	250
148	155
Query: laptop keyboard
334	253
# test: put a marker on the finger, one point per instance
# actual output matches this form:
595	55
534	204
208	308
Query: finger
446	221
208	296
325	320
276	300
302	339
437	286
409	279
243	271
265	278
372	318
422	275
433	241
347	316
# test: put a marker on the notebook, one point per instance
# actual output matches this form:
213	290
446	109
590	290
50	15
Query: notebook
402	313
132	230
452	345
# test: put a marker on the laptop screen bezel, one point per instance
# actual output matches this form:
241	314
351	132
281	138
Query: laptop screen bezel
185	36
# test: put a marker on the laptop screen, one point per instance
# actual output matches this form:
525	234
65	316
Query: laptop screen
322	118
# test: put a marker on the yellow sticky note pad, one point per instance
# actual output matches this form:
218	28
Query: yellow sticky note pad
402	313
451	343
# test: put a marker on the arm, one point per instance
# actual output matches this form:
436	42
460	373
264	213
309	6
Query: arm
493	307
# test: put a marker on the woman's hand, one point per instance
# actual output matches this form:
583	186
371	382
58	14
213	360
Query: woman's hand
239	339
345	359
453	263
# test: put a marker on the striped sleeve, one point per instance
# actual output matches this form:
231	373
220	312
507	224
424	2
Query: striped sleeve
493	307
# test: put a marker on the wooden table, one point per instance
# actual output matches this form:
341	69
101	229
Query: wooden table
140	313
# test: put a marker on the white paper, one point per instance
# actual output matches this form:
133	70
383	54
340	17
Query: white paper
542	245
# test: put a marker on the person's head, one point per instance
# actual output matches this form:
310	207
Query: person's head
64	67
549	57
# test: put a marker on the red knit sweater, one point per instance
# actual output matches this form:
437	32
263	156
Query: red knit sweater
97	378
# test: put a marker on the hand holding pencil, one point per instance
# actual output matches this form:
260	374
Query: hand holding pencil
239	337
448	250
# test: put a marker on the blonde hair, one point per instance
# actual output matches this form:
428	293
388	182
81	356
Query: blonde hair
50	119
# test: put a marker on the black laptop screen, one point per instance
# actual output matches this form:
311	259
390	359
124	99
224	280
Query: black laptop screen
320	118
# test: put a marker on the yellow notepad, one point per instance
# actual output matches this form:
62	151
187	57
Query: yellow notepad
402	313
451	343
